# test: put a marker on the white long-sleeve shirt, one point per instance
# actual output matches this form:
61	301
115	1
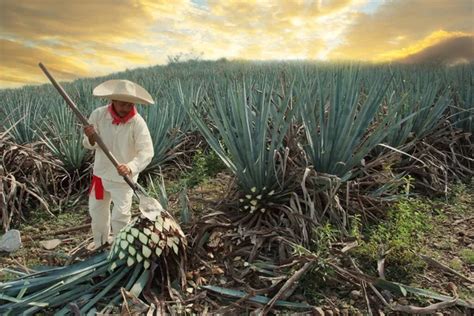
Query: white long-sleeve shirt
130	143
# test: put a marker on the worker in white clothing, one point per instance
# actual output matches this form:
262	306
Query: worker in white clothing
126	135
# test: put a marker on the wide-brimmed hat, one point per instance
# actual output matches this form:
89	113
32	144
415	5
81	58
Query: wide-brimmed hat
123	90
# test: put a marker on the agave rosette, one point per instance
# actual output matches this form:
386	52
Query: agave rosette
245	125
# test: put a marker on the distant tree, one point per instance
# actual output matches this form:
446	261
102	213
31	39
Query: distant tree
184	57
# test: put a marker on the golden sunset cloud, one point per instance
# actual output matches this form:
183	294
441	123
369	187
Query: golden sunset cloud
439	44
400	28
453	51
72	38
93	38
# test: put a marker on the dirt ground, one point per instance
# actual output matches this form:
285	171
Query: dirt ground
449	244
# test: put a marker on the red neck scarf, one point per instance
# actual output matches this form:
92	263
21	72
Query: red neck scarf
116	119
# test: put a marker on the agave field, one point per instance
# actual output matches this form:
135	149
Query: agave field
307	152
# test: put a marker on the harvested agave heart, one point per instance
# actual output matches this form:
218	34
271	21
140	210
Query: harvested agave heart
144	241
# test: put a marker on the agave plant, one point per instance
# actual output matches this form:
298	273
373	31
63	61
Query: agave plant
81	92
247	124
22	114
423	100
62	136
462	111
138	249
339	117
167	122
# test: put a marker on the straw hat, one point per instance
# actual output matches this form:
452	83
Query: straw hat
123	90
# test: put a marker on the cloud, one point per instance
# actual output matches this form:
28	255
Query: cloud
448	51
106	36
18	66
73	39
105	20
100	37
399	24
261	30
20	62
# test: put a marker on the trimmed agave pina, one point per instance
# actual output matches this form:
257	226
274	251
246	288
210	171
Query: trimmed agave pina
144	241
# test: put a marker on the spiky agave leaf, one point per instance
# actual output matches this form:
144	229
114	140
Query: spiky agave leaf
42	290
462	111
423	99
168	123
63	138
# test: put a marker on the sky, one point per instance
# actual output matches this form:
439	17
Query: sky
91	38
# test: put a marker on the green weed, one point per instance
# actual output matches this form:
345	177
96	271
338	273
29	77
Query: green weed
399	237
320	276
205	165
461	198
467	256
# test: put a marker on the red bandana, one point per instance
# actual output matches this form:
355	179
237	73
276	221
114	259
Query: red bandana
116	119
97	186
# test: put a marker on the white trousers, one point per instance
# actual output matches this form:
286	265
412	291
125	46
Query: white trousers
120	194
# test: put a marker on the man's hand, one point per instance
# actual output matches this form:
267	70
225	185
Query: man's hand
90	132
124	170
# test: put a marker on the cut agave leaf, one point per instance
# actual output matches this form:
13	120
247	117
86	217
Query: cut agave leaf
146	231
143	239
167	224
134	231
123	244
139	257
146	251
113	266
256	298
159	220
130	261
155	238
175	248
159	226
174	225
130	238
158	251
180	232
114	248
121	254
146	264
132	251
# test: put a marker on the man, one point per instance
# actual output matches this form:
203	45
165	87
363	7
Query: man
126	135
